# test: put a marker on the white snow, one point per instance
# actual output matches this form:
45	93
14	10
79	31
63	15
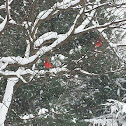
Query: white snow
27	52
4	106
71	51
85	72
85	23
19	60
63	5
58	69
66	3
61	57
11	21
116	115
74	120
2	25
26	24
42	15
124	108
113	45
27	116
42	111
45	37
3	65
5	61
78	49
57	59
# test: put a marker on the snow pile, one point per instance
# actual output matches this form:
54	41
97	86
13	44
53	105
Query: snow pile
42	111
27	116
75	50
116	114
58	59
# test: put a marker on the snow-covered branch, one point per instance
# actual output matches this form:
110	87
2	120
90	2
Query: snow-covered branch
22	67
115	117
65	4
4	106
106	25
45	37
5	21
61	38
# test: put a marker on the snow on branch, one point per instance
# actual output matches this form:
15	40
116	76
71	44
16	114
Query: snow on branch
45	37
19	73
42	112
53	70
85	22
31	73
3	24
116	114
60	38
106	25
111	45
42	15
65	4
99	74
4	106
4	6
79	29
27	52
18	60
85	72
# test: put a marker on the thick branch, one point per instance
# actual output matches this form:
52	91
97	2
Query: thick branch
46	14
4	106
4	23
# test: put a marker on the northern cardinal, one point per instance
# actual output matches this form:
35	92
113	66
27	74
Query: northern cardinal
47	64
98	43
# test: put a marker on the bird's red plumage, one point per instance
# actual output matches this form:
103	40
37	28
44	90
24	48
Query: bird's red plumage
98	43
47	64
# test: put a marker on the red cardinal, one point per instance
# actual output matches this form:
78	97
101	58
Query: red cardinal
98	43
47	64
